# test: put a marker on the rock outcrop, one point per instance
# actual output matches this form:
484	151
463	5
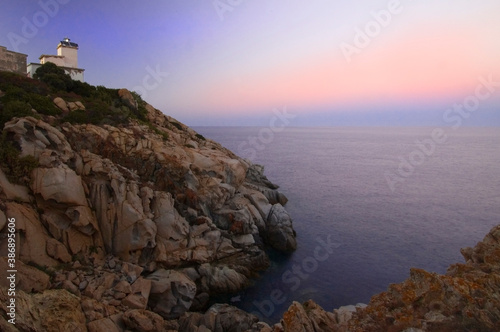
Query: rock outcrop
466	298
137	222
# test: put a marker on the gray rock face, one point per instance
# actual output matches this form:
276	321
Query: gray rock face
280	233
172	293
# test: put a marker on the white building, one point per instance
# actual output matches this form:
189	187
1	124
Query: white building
66	58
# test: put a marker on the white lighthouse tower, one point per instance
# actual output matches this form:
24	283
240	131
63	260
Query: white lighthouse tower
66	58
69	53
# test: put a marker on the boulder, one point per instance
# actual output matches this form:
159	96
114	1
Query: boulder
61	104
104	324
221	317
172	293
57	250
143	321
60	184
221	279
279	230
127	98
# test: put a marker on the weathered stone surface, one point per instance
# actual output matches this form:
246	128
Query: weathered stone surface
221	279
172	293
127	98
61	184
129	199
51	311
31	248
57	250
143	321
101	325
61	104
13	191
280	233
221	317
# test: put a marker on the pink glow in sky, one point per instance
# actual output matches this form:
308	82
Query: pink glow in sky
262	54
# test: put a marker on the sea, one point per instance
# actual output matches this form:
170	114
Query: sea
368	204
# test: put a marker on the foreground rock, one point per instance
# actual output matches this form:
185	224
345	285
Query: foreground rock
467	298
133	225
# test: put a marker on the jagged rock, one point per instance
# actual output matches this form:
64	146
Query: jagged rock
132	271
140	290
70	287
280	234
296	319
130	198
172	293
221	279
95	310
123	286
143	321
344	313
220	317
104	324
57	250
321	320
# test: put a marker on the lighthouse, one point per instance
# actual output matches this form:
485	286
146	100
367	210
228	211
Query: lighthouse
66	58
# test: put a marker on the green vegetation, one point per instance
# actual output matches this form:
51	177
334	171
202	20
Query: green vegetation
15	167
20	95
103	105
200	136
176	125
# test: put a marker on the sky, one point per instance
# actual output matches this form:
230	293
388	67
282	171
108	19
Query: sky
241	62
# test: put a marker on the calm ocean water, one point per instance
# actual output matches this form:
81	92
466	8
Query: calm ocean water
356	235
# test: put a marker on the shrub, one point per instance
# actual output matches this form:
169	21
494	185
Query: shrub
16	168
43	105
12	109
54	76
177	125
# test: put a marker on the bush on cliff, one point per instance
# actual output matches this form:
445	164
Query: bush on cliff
16	168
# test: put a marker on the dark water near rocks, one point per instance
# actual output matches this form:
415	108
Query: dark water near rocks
335	179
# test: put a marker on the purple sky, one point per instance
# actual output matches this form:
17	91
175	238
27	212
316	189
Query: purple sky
328	62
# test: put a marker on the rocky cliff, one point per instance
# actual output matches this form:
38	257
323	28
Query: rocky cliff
126	224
